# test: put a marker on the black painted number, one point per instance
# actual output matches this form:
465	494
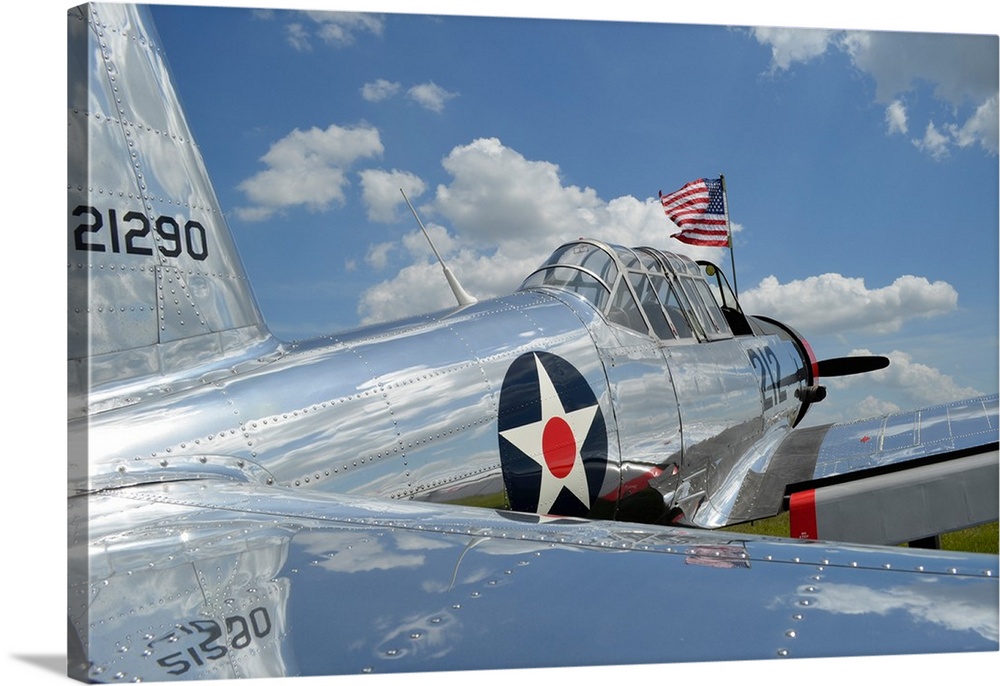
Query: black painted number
203	640
103	232
767	365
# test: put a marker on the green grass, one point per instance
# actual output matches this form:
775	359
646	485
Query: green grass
980	539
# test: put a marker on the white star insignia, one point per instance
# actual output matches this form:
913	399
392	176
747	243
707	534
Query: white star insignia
554	444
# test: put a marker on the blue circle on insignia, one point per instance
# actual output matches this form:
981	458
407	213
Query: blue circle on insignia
552	437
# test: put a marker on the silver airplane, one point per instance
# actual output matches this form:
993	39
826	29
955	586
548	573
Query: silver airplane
528	481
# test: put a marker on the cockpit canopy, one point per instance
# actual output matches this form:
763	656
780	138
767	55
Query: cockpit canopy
647	290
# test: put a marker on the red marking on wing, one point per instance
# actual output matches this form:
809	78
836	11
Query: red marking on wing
802	515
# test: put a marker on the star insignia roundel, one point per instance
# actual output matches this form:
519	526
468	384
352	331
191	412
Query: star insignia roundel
553	440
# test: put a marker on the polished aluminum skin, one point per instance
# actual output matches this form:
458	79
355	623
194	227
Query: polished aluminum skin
873	443
155	283
243	506
312	584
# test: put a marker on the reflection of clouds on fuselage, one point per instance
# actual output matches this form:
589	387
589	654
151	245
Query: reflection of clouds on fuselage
960	615
363	552
431	633
210	303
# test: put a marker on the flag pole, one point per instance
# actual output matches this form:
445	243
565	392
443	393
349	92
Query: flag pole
729	234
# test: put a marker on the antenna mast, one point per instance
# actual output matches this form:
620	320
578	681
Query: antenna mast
461	295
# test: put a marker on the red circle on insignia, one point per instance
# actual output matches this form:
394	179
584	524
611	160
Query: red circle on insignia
558	447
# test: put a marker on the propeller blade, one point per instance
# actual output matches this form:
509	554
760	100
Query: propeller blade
846	366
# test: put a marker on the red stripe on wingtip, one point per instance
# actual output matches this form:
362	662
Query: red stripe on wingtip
802	515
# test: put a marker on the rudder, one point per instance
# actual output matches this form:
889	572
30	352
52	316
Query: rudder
156	286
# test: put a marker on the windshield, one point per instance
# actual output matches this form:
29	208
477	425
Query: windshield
656	293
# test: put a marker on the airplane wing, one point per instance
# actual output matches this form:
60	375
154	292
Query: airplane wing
215	578
906	476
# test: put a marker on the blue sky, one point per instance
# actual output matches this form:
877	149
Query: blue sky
861	167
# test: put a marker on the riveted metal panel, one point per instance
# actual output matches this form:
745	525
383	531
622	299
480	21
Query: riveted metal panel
333	585
912	504
898	437
150	257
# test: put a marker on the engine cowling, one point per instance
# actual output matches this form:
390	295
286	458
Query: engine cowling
808	370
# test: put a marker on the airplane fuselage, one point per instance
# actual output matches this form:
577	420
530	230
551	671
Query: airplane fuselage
533	402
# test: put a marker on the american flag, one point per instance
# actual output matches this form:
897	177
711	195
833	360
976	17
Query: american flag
699	210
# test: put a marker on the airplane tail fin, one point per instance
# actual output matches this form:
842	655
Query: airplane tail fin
156	287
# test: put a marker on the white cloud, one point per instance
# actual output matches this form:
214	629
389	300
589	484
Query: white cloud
790	45
934	143
254	214
920	383
831	303
338	29
307	168
379	90
498	194
380	192
874	407
416	243
895	117
298	37
430	96
421	287
980	128
962	68
378	255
